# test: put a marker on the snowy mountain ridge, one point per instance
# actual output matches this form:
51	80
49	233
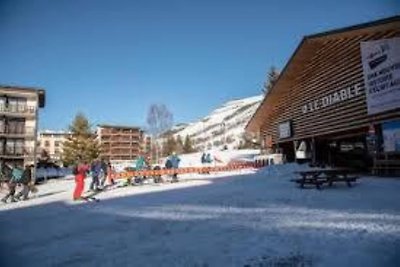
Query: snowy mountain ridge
223	126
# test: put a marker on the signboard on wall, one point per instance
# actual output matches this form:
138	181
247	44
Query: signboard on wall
338	96
391	136
381	67
285	130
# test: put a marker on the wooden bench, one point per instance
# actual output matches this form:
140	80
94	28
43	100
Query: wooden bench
340	175
319	177
310	177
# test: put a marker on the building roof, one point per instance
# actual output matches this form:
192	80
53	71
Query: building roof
39	92
298	59
20	88
52	132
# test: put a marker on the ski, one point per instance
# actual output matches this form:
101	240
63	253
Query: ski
91	199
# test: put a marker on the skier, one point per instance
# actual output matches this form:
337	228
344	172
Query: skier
175	165
80	175
110	173
95	170
16	175
104	172
140	165
203	162
25	181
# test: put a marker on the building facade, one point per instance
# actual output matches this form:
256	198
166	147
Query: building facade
52	143
323	106
18	123
122	143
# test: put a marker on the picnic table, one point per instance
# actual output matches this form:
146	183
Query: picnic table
329	176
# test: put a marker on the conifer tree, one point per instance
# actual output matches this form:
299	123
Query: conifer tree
179	144
169	145
82	143
188	145
272	77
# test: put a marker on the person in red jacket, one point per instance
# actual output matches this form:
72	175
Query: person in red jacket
80	174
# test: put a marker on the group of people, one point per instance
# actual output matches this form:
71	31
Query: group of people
16	176
142	163
206	158
99	170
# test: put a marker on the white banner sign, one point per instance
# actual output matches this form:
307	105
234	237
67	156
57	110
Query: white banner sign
285	129
381	66
391	136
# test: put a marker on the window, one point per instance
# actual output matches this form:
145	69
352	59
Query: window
1	147
16	104
46	143
2	126
16	126
10	147
2	103
57	143
19	147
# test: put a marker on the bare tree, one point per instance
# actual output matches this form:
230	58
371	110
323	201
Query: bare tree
159	120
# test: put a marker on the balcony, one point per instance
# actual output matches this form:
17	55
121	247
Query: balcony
22	110
120	140
16	152
17	133
113	133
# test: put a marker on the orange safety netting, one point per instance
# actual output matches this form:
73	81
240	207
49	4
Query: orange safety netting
186	170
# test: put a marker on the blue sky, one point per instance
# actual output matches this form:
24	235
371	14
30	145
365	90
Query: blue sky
113	59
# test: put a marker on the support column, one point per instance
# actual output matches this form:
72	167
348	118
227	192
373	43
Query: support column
313	151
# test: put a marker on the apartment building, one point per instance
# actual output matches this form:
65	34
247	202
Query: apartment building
18	123
122	143
52	142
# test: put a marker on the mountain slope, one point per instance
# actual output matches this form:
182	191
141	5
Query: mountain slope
224	126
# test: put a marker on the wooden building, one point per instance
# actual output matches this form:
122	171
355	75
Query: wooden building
320	99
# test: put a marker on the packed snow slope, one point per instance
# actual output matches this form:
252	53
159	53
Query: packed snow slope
225	125
219	158
246	218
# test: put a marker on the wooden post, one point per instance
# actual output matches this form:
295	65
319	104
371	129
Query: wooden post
295	142
314	155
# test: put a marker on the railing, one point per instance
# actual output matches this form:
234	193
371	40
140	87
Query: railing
17	109
120	140
16	151
23	131
114	133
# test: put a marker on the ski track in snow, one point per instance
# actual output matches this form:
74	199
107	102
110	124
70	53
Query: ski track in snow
242	218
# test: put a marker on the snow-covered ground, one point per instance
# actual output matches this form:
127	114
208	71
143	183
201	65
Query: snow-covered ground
244	218
220	158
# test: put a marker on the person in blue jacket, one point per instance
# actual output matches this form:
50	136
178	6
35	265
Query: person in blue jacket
203	158
15	175
174	159
140	166
95	170
140	163
208	158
